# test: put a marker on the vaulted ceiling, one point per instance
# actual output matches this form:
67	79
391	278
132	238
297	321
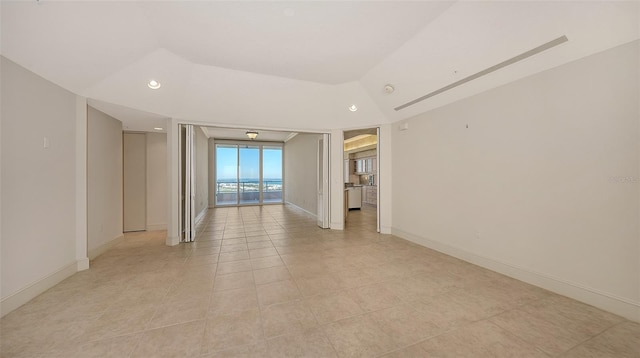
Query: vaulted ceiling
300	64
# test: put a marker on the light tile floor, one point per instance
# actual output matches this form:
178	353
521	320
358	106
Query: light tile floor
267	282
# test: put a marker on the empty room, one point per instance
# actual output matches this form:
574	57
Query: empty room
320	178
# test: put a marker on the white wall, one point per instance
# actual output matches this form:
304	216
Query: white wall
104	182
201	171
543	184
301	171
38	185
156	181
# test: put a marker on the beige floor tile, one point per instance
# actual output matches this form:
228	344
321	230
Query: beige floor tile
233	301
445	313
233	256
289	317
258	350
266	282
333	306
309	343
264	252
180	311
482	339
620	341
233	280
353	278
233	248
187	290
374	297
359	337
182	340
568	313
258	238
265	244
412	289
202	259
230	242
205	251
547	336
314	285
266	262
271	274
121	320
117	347
277	292
233	266
404	325
228	331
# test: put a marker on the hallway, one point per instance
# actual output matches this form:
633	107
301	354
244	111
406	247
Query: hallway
266	281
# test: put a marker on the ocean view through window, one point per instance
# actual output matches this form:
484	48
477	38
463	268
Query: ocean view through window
248	174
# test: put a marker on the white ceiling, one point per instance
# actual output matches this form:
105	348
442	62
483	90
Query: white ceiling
240	134
296	65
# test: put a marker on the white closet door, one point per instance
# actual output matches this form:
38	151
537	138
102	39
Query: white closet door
134	181
323	182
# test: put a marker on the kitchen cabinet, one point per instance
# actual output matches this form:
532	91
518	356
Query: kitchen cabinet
370	195
354	197
366	166
346	171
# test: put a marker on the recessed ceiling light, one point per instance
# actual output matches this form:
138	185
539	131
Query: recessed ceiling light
158	128
353	108
153	84
388	89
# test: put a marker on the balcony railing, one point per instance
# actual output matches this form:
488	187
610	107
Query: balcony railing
227	193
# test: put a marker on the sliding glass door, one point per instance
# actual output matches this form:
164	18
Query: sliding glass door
226	174
249	184
272	174
248	174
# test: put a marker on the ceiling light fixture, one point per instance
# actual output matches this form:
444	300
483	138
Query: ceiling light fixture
252	134
388	89
158	128
353	108
153	84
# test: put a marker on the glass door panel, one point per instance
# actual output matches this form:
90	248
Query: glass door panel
272	174
249	174
226	174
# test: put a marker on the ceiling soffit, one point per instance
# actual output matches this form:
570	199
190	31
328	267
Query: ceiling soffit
303	78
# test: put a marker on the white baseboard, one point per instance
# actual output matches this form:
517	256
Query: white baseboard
603	300
299	208
336	225
200	215
26	294
93	253
385	230
155	227
82	264
172	241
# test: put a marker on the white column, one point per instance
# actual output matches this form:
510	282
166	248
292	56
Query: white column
173	172
336	182
384	178
81	184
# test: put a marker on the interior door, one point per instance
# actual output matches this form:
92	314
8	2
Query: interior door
376	169
134	182
187	183
323	182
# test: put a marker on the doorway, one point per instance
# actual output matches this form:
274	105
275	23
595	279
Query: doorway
361	157
248	174
134	180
